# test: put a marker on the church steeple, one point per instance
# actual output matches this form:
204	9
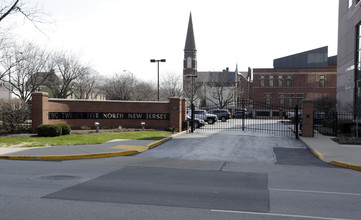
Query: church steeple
190	42
190	58
190	51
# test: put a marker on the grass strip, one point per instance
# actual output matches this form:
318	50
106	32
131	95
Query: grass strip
96	138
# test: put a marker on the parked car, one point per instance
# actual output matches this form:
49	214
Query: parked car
197	122
291	115
318	118
202	114
241	113
222	114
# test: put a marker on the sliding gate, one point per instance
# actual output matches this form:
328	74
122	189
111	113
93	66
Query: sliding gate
253	116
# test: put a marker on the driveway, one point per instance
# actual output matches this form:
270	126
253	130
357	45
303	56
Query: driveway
229	146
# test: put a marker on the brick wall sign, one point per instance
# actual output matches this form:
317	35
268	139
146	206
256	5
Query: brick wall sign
110	114
107	115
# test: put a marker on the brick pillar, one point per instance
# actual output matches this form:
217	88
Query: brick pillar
39	109
307	118
184	109
175	110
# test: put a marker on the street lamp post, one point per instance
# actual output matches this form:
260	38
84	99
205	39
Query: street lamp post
192	76
157	61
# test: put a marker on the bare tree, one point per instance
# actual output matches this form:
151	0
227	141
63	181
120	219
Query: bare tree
325	104
220	90
17	9
13	7
192	91
69	69
88	86
13	113
144	91
120	86
26	68
171	86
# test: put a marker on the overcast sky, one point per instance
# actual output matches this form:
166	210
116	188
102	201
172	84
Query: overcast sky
117	35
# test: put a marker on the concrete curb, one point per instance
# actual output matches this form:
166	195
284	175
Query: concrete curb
89	156
336	163
69	157
346	165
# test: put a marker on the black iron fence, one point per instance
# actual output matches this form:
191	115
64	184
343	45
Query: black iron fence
337	124
249	115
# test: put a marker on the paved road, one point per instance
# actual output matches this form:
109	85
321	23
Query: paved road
229	146
287	183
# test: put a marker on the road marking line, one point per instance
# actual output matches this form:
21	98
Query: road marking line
320	192
277	214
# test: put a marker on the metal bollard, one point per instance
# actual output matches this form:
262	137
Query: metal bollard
96	124
142	124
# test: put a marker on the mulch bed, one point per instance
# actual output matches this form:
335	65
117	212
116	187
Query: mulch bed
347	140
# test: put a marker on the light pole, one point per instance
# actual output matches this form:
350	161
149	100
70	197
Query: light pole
157	61
192	76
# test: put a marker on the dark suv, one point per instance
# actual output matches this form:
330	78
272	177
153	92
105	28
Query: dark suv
222	114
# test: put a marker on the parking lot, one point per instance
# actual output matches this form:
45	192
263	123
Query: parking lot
224	145
275	127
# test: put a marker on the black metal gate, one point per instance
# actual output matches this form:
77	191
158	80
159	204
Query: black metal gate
249	115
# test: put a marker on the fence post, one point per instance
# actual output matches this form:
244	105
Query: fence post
296	121
335	124
243	114
192	117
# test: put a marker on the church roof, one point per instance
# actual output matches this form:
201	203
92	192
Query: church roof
211	76
190	42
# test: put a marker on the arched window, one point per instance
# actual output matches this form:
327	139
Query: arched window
189	62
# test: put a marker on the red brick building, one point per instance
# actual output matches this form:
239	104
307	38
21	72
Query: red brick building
308	75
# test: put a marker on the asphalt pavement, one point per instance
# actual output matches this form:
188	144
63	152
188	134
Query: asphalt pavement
348	156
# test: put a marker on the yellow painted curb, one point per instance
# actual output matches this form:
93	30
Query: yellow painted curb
346	165
154	144
318	154
69	157
131	147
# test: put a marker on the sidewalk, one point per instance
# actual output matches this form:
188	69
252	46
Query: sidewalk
109	149
348	156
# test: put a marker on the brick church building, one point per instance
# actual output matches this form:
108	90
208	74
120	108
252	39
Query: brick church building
210	89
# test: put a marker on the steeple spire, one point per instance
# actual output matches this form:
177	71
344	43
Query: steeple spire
190	42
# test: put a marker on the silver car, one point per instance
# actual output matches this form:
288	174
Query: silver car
202	114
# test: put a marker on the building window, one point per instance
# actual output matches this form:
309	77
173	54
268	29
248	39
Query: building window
261	81
322	81
270	82
268	99
299	100
280	80
189	62
291	100
282	100
289	81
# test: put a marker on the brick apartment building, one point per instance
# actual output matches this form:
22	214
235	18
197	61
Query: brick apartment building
307	75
